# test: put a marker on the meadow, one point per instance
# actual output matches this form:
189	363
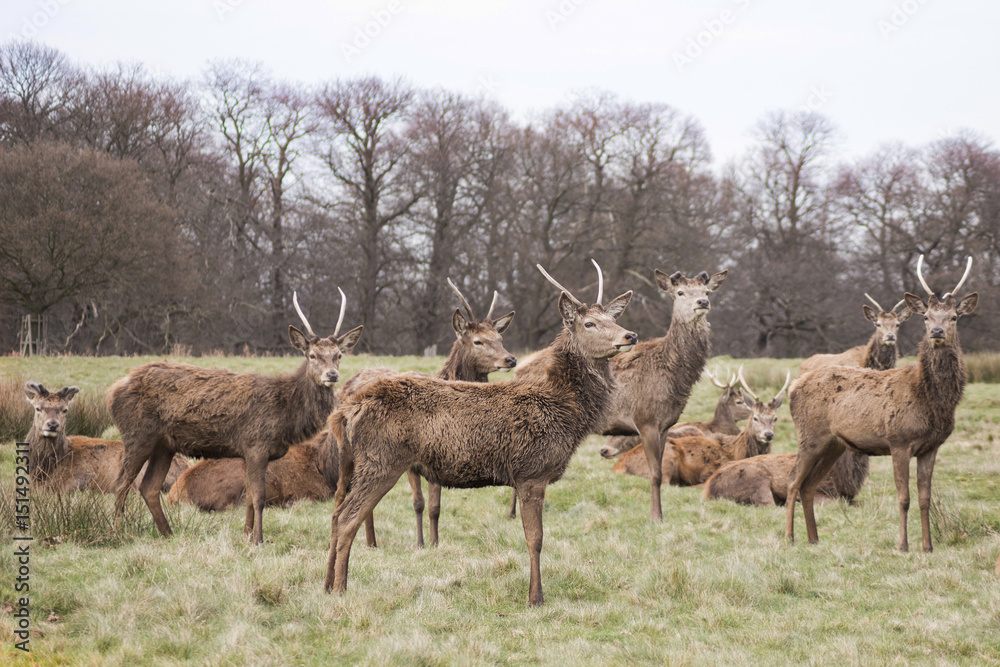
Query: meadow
715	583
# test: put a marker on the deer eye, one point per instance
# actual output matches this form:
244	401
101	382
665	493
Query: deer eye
312	355
65	410
588	324
38	409
680	293
954	318
477	342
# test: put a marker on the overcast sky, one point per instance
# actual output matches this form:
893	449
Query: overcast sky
881	70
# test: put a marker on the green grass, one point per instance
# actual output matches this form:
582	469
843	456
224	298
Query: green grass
715	583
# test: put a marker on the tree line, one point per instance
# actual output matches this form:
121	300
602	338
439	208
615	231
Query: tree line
143	214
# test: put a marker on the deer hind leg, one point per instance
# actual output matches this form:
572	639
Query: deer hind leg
156	471
418	504
512	514
132	461
434	510
532	495
804	462
256	469
821	466
901	475
925	468
652	447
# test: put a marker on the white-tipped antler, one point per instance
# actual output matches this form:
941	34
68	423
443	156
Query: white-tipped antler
302	316
343	309
784	388
554	282
461	299
493	304
746	387
901	302
920	276
968	268
600	281
868	296
714	378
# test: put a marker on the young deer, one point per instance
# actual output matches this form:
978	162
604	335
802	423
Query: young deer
880	353
903	412
165	407
520	433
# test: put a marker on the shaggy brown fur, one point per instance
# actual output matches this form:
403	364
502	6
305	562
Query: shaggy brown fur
164	407
763	480
308	471
880	353
903	412
462	434
75	463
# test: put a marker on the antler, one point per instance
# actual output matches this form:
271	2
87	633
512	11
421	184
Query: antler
343	309
714	378
465	303
302	316
493	305
743	382
880	309
553	281
788	378
901	302
920	276
600	281
968	267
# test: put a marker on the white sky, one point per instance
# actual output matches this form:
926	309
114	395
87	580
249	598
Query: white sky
881	70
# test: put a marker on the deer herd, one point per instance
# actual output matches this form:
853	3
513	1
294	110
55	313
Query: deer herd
273	440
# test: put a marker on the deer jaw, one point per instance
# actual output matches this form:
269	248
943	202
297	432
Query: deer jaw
691	295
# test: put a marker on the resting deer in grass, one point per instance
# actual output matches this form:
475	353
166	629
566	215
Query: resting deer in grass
904	412
62	463
729	409
477	351
880	353
164	407
690	461
520	433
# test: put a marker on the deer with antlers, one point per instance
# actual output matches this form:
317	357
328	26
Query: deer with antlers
903	413
477	351
520	433
880	353
164	407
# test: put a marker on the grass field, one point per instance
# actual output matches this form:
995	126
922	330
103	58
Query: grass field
715	583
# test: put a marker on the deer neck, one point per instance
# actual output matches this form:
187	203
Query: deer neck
942	378
308	406
46	453
723	418
745	445
459	366
879	357
684	350
588	381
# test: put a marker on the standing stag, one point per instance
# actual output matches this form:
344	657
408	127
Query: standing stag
903	412
164	407
880	353
520	433
477	351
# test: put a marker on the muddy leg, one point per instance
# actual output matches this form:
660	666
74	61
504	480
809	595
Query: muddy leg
434	510
512	514
652	446
132	462
365	495
532	496
418	504
901	475
256	469
156	472
925	468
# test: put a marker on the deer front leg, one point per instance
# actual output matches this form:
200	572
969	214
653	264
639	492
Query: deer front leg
256	466
512	514
433	510
532	494
901	475
925	468
652	447
418	504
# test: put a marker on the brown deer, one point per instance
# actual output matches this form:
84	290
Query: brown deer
902	412
308	471
164	407
880	353
519	433
62	463
691	460
730	409
477	351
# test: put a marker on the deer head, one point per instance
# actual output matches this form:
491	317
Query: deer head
763	416
690	295
50	409
731	397
941	315
886	322
323	354
482	342
593	330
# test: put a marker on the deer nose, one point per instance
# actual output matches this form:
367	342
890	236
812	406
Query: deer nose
52	425
768	436
332	376
511	361
890	337
937	332
631	337
606	452
703	303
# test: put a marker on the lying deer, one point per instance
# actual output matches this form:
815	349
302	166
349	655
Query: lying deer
903	412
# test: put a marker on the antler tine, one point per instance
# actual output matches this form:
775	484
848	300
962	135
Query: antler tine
714	378
732	380
920	275
743	382
600	281
465	304
868	296
302	316
553	281
788	379
493	304
343	309
968	267
901	302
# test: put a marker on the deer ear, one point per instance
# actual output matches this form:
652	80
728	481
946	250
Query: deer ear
870	314
903	315
749	400
298	339
618	305
662	280
350	339
67	393
914	303
501	323
567	308
967	304
715	282
459	323
778	400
